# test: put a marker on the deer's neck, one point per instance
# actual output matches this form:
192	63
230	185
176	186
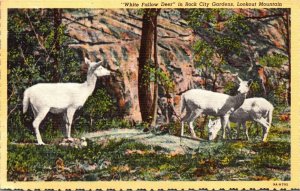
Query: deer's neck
233	102
238	100
90	83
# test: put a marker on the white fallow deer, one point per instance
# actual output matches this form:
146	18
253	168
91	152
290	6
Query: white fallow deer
199	101
253	109
63	98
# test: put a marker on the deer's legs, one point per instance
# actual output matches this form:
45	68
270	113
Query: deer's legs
224	123
246	130
69	118
34	111
266	128
228	128
191	120
40	115
238	130
184	119
66	121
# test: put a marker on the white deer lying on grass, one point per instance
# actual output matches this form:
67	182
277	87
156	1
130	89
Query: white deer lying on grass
253	109
63	98
199	101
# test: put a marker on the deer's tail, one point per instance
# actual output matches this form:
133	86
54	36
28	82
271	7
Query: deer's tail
25	101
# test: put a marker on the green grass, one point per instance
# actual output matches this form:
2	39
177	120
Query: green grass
220	161
129	160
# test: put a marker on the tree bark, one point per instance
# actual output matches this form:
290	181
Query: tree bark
57	20
144	90
155	92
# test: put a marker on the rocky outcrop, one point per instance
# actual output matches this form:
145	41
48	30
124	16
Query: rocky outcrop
168	142
114	35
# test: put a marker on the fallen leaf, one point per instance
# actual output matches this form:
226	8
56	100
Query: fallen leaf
59	164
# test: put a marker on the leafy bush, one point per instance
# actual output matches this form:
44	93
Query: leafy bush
230	88
99	105
275	60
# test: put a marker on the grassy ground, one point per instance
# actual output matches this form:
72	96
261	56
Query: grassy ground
128	160
124	159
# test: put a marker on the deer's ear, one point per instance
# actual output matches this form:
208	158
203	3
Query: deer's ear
98	64
95	66
87	61
250	82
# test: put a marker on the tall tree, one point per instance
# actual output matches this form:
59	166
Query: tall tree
145	55
57	21
155	92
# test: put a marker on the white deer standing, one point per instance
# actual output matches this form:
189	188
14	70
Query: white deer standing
199	101
63	98
253	109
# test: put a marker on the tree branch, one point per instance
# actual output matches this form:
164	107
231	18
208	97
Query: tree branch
35	33
264	17
11	111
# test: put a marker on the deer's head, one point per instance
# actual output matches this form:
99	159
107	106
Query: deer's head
214	127
96	68
244	85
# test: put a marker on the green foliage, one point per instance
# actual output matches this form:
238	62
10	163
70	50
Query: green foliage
100	112
198	17
279	94
203	53
230	88
224	33
256	88
275	60
237	26
223	40
161	77
278	159
100	104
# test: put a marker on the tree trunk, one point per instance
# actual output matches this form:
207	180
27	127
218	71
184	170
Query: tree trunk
155	93
144	90
57	20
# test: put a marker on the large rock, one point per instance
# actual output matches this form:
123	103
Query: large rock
114	35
